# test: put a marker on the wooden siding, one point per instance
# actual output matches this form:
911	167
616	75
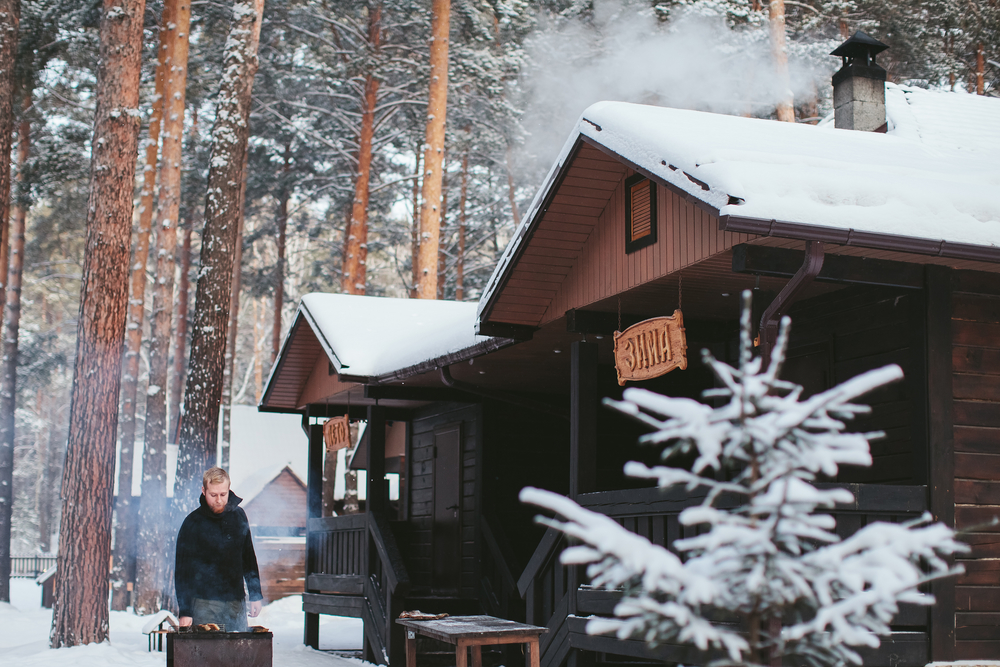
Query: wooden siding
976	416
282	564
840	335
686	235
280	504
421	495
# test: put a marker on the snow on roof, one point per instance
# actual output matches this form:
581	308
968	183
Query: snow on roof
935	174
156	620
368	336
45	576
256	482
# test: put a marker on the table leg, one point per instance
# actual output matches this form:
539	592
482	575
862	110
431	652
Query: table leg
411	648
477	655
536	658
461	654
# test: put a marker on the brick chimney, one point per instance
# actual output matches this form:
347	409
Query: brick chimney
859	86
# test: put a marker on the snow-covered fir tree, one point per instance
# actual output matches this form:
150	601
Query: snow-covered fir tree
770	578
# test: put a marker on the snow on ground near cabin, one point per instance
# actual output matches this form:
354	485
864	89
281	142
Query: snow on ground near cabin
24	631
929	177
371	336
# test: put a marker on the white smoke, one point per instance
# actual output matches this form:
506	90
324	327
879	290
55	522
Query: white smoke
693	61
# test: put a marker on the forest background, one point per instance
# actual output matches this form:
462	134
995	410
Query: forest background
519	75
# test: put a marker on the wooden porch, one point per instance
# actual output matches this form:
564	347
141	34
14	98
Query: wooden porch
356	568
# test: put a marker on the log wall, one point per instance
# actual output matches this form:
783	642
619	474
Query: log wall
975	335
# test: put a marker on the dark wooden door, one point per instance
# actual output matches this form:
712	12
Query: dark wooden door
446	562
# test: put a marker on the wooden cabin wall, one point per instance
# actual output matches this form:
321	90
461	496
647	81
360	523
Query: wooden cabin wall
975	334
279	508
685	234
419	547
845	333
521	448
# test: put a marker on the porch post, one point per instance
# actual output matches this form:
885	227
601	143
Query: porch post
941	447
314	504
584	403
376	498
583	418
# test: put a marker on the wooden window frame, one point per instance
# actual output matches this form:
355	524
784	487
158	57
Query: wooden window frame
649	239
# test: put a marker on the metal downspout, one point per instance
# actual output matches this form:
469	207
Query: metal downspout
811	266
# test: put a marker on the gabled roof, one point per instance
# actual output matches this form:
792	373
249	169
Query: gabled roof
928	186
250	487
372	339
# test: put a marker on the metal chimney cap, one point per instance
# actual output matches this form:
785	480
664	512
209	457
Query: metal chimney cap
860	45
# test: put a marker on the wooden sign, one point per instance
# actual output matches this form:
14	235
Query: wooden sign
651	348
337	433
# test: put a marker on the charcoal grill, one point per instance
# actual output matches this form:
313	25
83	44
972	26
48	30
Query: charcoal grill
219	649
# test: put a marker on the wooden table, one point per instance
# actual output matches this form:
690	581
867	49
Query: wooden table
471	632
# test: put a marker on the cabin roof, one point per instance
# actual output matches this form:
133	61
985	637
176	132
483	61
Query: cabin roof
251	486
370	339
927	186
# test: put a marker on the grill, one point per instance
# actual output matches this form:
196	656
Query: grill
219	649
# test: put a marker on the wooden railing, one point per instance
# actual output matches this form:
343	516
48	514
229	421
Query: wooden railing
30	566
354	568
551	599
386	588
336	554
498	587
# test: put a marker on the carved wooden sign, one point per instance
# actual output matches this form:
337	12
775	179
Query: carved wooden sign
337	433
651	348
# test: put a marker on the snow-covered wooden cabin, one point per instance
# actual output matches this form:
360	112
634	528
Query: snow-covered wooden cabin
883	246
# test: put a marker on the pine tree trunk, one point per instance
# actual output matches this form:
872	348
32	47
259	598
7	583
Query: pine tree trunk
203	388
441	262
43	492
80	613
776	16
8	362
279	268
234	320
980	70
415	228
123	564
151	563
10	19
258	339
180	333
460	256
437	109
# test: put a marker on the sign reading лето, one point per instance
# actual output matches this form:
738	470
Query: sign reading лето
651	348
337	433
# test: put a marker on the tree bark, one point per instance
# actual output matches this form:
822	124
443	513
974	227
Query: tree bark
80	613
441	259
460	255
180	333
234	319
415	228
437	109
776	15
980	70
203	388
10	20
151	559
355	273
279	269
12	317
123	564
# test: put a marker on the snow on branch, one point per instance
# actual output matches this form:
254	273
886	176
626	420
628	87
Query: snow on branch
775	555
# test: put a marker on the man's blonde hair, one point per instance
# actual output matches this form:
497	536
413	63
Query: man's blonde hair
215	476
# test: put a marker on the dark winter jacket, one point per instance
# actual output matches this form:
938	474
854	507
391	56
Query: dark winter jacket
215	556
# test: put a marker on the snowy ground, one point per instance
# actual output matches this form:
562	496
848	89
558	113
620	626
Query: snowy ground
24	631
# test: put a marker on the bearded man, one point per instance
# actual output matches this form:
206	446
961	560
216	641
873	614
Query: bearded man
215	557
